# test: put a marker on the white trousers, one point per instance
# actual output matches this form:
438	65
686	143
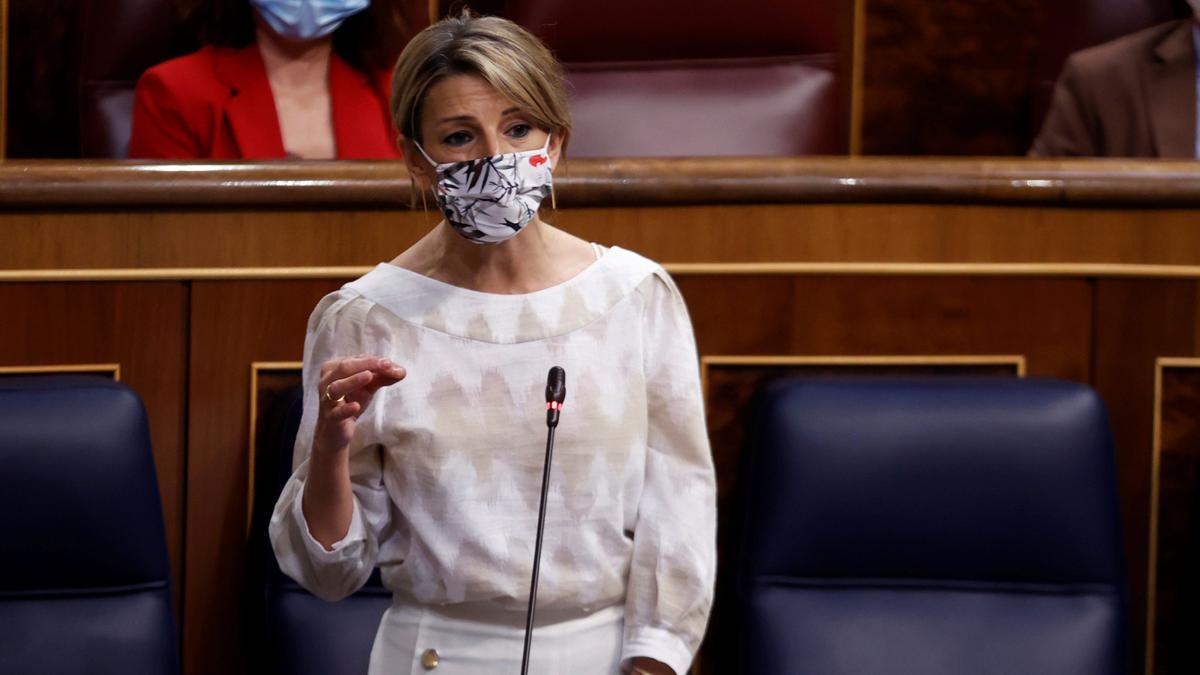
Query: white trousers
473	641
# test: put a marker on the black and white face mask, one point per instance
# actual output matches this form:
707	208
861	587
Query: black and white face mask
490	199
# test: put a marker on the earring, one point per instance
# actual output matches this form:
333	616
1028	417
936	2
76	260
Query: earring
553	203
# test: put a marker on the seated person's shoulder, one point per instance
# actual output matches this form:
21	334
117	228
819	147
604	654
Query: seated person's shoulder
1124	52
175	104
191	77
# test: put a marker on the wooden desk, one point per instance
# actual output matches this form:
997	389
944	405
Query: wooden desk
197	280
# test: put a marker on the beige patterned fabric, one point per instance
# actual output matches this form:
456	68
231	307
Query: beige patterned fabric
446	465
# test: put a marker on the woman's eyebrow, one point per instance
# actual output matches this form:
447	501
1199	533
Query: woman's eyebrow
471	118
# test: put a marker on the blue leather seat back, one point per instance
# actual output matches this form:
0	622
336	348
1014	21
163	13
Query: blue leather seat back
84	576
300	633
313	637
938	526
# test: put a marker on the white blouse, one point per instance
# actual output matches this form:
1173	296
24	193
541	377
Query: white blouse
446	465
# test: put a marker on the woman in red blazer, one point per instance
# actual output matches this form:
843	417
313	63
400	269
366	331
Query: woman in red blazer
271	86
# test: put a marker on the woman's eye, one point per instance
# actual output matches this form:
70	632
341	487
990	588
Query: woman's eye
458	138
520	131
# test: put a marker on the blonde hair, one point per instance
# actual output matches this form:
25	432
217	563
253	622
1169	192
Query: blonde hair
505	55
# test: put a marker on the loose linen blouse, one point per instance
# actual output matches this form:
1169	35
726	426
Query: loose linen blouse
446	465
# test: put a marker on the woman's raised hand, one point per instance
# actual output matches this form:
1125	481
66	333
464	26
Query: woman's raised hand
345	389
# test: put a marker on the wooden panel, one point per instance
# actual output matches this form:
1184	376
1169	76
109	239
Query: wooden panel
268	381
1048	321
948	77
234	324
1138	321
141	328
824	235
1175	541
731	384
174	239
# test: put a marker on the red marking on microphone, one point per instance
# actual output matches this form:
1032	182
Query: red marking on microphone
537	160
553	405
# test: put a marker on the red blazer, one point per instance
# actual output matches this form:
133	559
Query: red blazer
217	104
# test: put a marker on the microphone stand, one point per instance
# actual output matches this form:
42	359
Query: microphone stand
555	393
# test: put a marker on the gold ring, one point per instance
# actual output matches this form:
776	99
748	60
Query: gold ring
329	397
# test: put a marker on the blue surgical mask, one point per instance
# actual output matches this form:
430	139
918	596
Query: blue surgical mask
307	19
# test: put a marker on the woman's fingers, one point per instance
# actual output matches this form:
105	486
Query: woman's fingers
365	393
391	371
345	386
339	369
384	378
343	410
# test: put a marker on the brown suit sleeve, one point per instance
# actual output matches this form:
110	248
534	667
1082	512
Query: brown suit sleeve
1070	128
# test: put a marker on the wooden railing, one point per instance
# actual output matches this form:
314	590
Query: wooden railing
617	182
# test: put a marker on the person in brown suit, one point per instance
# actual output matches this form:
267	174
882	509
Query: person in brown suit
1132	97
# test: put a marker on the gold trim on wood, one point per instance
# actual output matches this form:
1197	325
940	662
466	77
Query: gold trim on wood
113	369
939	269
257	367
1160	364
1116	270
1016	360
184	274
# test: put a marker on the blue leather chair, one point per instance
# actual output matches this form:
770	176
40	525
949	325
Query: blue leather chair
933	527
293	631
84	576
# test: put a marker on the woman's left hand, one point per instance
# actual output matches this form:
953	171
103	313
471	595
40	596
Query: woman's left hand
640	665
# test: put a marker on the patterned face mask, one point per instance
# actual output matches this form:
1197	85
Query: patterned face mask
490	199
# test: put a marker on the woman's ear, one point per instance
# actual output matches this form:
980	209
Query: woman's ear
418	167
555	150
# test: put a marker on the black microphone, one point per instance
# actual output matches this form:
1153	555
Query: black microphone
556	392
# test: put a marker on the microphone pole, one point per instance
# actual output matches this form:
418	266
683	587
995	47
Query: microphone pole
556	392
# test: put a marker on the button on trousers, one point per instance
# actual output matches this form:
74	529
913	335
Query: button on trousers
463	640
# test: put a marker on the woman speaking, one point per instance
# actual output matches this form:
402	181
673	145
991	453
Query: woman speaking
421	444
